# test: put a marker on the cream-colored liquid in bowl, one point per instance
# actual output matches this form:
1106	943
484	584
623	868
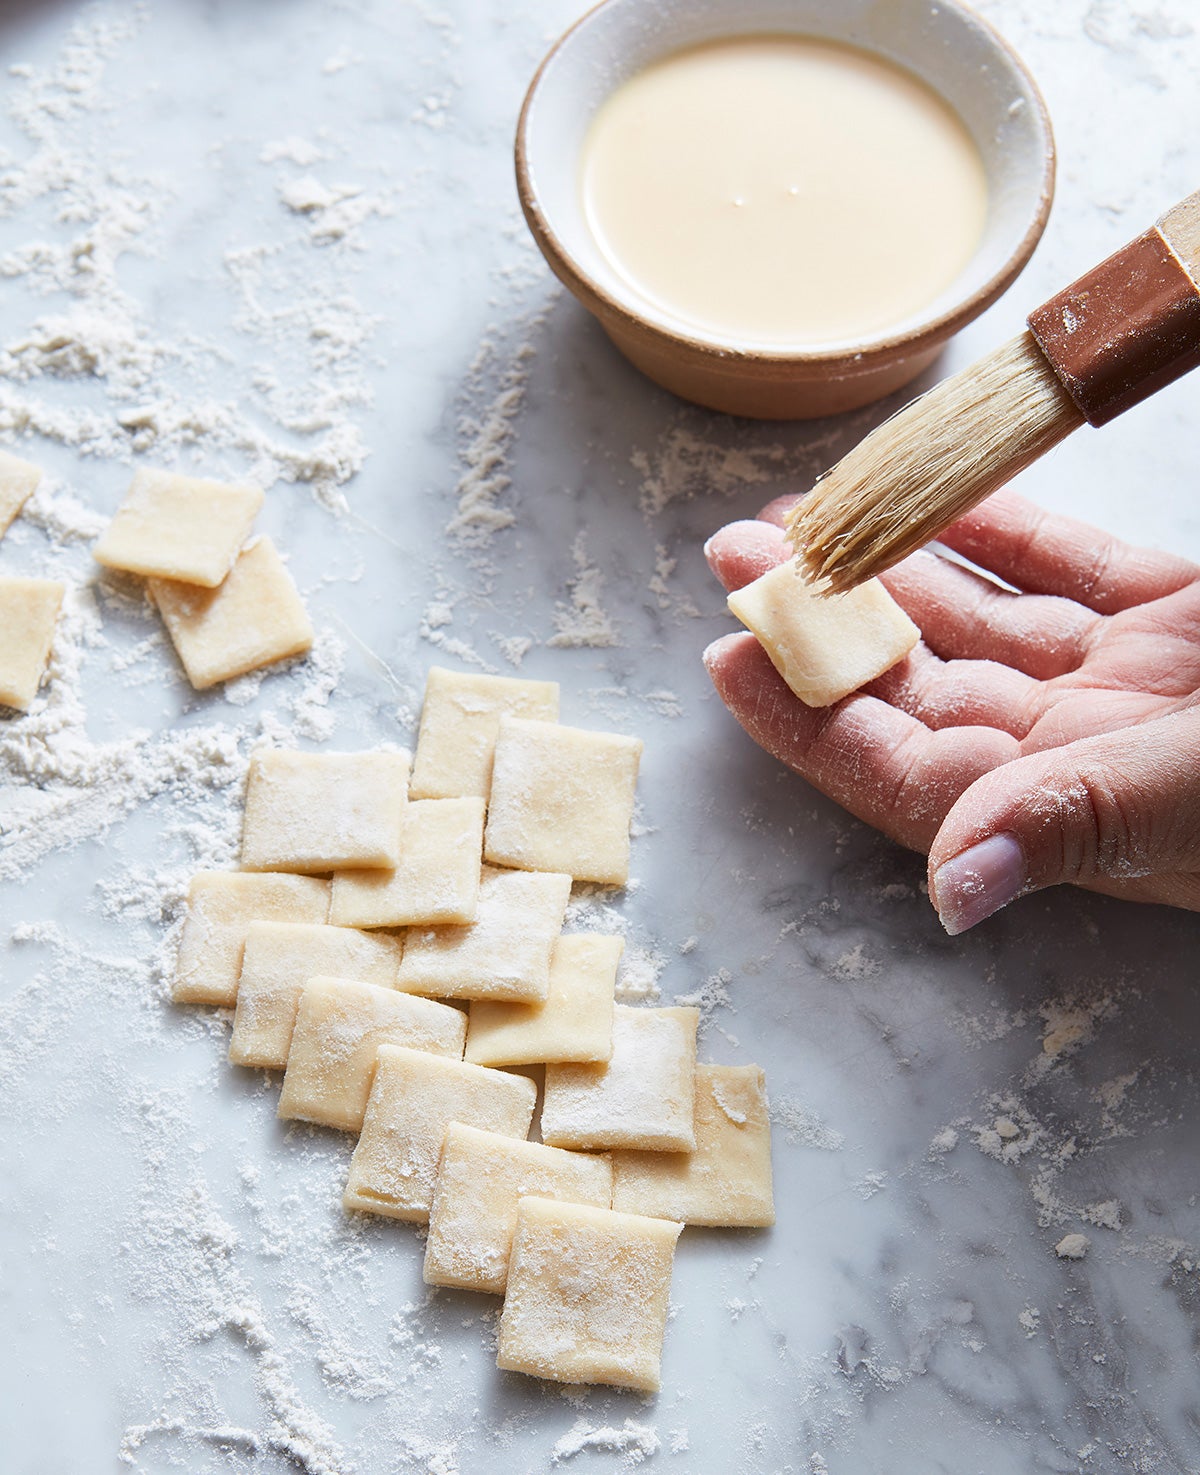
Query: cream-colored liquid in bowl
781	190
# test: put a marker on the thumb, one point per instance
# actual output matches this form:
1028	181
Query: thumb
1105	811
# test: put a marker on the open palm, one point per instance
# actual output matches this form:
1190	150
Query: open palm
1041	732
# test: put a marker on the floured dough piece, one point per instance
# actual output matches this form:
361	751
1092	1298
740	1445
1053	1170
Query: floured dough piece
574	1024
504	953
28	613
18	482
253	619
587	1295
437	877
414	1099
644	1097
562	800
221	907
179	527
479	1181
726	1182
458	728
824	647
340	1025
279	959
324	811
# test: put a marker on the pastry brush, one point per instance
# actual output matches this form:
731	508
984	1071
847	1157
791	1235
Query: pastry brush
1123	330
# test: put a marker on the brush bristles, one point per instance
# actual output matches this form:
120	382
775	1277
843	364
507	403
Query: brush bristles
930	463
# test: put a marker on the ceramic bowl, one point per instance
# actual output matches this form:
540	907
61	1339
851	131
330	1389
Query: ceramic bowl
948	46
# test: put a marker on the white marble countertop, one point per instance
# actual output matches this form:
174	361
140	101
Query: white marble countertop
283	241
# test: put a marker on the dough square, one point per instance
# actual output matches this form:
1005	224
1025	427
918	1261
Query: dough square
480	1179
458	728
221	907
562	800
587	1295
824	647
504	953
179	527
436	879
28	613
323	811
644	1097
574	1024
340	1025
18	482
253	619
279	959
726	1182
414	1099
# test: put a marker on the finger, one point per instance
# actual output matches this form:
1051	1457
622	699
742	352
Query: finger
776	512
1046	554
962	615
960	693
882	765
741	552
1113	808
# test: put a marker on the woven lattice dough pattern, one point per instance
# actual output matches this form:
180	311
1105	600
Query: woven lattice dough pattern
340	1025
18	482
414	1099
28	613
587	1295
279	959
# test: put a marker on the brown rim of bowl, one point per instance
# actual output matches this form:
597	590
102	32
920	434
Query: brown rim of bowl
600	301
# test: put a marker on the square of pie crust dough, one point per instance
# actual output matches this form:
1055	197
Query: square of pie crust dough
479	1181
340	1026
587	1295
504	953
279	959
18	482
562	800
644	1097
458	728
253	619
28	613
221	907
436	879
323	811
824	647
726	1182
179	527
414	1099
576	1021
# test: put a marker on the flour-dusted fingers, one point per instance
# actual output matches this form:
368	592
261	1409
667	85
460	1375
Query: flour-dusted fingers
961	693
875	760
741	552
964	616
1043	553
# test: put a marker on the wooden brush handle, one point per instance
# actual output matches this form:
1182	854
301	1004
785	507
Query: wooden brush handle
1131	324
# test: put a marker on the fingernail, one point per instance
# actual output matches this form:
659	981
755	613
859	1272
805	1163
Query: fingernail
978	882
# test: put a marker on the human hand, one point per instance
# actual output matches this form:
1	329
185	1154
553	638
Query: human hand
1031	738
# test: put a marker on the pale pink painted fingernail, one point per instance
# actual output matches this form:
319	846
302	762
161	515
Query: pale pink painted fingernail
979	881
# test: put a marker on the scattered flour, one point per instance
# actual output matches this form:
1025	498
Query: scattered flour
803	1127
1072	1247
636	1442
584	622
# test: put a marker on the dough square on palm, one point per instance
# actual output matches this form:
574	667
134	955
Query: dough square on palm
726	1182
459	719
644	1097
324	811
221	907
587	1295
253	619
504	953
824	647
340	1026
18	482
562	800
179	527
28	614
480	1179
279	959
436	879
414	1099
574	1024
